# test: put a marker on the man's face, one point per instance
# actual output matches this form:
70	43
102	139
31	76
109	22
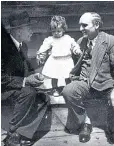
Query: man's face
26	33
87	27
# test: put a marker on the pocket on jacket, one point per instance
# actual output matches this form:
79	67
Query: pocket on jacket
106	57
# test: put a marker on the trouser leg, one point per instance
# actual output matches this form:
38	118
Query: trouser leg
26	117
74	94
30	129
109	131
23	105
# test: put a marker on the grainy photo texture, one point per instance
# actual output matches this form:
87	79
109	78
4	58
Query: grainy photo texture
57	73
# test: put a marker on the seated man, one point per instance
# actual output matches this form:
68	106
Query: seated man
97	74
16	85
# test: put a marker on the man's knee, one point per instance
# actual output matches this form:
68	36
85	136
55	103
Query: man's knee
65	91
68	91
28	92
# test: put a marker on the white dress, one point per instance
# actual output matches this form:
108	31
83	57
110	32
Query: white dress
60	62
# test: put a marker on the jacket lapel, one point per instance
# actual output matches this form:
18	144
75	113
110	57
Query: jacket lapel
98	54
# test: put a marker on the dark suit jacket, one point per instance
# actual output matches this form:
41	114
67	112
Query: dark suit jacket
102	64
14	64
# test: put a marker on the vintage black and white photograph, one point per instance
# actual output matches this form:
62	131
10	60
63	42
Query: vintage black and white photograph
57	73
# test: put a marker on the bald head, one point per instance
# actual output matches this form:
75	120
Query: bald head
90	23
92	16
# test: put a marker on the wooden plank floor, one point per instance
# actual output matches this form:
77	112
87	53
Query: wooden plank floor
52	130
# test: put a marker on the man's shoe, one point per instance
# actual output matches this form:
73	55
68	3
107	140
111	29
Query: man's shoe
12	139
84	135
55	93
26	143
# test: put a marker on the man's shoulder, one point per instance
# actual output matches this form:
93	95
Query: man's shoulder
109	39
108	36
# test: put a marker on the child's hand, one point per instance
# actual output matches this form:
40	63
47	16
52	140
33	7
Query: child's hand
40	59
73	77
76	50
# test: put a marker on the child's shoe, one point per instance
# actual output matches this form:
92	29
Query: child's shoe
55	93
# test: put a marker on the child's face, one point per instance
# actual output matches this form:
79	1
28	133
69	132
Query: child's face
58	32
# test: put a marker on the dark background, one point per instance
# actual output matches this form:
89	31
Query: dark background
42	11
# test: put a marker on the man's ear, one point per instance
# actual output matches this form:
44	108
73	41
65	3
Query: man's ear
97	24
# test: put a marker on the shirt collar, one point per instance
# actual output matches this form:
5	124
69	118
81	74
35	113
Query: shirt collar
93	41
17	44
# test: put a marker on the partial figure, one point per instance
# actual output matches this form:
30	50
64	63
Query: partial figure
61	46
96	80
17	86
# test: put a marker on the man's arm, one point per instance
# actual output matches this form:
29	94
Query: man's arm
11	82
27	64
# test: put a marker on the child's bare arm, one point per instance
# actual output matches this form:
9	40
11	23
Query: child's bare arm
75	48
42	53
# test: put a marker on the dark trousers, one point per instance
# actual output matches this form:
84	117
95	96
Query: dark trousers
27	114
76	92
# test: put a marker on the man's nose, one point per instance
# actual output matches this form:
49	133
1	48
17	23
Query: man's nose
81	28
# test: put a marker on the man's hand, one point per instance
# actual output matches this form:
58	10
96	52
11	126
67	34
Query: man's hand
34	80
39	76
76	50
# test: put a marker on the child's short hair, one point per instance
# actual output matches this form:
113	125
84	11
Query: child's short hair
58	22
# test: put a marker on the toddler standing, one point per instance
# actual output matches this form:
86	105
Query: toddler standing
60	62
